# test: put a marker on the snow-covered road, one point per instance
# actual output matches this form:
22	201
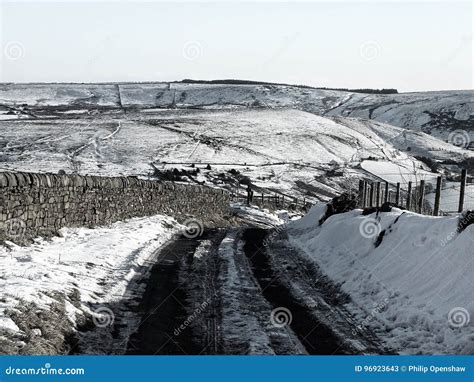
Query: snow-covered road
220	293
392	282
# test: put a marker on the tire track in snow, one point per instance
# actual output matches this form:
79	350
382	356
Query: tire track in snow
316	336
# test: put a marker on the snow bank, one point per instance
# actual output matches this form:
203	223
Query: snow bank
99	263
261	217
414	289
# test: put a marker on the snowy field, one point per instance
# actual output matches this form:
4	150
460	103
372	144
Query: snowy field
299	142
414	289
401	172
436	113
289	151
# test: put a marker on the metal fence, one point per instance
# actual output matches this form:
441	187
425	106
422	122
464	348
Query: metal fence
272	201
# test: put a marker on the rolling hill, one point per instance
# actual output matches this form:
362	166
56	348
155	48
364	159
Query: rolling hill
436	113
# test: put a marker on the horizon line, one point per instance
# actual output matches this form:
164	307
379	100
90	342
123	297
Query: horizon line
218	82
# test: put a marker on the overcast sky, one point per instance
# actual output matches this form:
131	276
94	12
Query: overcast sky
407	45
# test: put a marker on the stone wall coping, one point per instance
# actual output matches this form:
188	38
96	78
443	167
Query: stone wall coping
31	179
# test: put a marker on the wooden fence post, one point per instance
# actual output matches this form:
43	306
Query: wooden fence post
361	193
421	199
409	195
367	194
397	195
262	199
372	188
386	199
378	194
437	197
463	189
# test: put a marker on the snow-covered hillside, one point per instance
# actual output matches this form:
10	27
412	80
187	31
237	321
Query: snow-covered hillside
437	113
285	150
412	284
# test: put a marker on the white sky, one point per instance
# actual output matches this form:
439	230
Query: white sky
407	45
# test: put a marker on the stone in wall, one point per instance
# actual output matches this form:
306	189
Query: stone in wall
33	205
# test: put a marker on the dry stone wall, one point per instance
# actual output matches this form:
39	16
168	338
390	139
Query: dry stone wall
33	205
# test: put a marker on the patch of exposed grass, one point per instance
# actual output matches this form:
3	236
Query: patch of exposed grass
43	331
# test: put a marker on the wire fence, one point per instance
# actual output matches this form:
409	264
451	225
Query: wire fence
436	196
271	202
430	196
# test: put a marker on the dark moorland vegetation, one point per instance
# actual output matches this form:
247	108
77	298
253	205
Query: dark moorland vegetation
248	82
